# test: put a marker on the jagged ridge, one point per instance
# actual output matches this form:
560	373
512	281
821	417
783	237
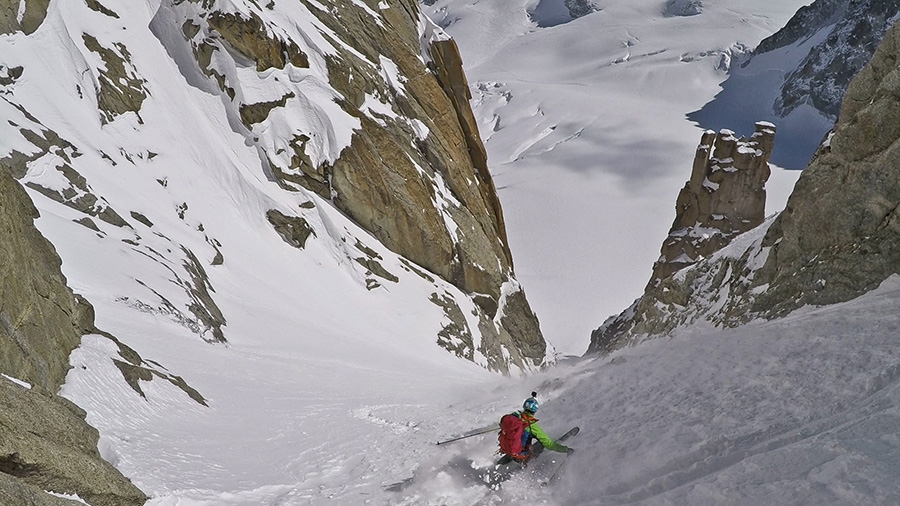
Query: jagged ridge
837	238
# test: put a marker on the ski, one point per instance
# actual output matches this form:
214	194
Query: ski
555	474
572	432
538	448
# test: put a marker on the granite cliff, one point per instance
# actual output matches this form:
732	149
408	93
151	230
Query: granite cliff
143	146
724	198
836	239
45	443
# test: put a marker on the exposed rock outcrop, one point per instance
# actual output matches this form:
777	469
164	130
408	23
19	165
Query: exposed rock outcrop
579	8
449	71
248	35
414	173
41	321
849	195
32	16
121	87
838	237
45	443
47	446
683	7
725	197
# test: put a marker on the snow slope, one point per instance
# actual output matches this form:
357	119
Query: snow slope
328	393
801	411
310	338
587	137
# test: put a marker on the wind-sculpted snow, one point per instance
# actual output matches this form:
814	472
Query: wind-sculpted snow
786	413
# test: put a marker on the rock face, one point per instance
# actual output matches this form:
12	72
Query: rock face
549	13
34	297
579	8
838	237
808	20
849	195
854	31
683	7
45	443
414	174
725	197
31	17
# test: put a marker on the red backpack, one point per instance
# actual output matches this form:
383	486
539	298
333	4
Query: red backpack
510	438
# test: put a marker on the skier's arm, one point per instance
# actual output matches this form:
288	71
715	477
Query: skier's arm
546	441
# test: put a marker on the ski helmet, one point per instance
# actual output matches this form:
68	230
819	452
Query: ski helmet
530	405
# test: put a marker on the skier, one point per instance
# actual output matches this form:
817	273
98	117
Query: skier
518	430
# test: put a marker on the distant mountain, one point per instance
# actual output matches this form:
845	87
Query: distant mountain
797	77
853	29
838	237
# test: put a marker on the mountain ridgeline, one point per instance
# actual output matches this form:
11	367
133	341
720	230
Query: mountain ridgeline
368	111
838	237
853	28
800	74
344	131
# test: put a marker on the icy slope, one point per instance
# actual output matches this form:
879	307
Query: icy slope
586	133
